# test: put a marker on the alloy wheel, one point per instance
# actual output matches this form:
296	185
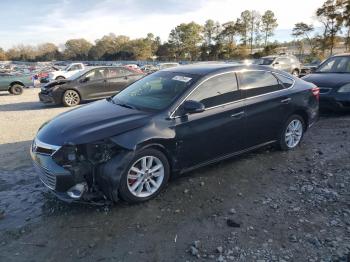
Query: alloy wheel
293	133
71	98
145	176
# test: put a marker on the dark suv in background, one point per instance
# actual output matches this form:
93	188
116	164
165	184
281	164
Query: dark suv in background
171	121
284	62
89	84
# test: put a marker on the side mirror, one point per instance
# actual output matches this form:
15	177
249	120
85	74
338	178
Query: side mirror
192	107
85	79
276	63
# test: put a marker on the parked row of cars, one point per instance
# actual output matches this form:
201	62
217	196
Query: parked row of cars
169	122
77	82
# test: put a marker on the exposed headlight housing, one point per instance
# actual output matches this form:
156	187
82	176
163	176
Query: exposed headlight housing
344	89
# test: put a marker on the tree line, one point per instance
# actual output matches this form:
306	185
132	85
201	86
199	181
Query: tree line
239	38
187	41
334	15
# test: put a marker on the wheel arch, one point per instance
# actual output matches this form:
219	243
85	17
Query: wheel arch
16	83
60	76
304	115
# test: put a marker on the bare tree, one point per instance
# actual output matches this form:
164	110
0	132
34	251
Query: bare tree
268	25
331	18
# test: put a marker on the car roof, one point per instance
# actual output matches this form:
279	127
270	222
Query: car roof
205	69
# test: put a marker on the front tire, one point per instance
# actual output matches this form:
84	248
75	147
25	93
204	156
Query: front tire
145	177
60	78
292	133
16	89
71	98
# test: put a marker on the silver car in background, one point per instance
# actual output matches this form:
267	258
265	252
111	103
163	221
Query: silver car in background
284	62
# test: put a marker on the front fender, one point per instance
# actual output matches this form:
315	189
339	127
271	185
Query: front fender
139	137
109	174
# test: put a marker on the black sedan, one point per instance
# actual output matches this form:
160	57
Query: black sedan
89	84
333	79
171	121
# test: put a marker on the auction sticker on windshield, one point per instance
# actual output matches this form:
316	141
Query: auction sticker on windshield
182	78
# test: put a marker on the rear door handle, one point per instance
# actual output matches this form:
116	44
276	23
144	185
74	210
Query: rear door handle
286	100
238	115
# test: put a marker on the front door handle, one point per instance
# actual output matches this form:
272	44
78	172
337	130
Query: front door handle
286	100
238	115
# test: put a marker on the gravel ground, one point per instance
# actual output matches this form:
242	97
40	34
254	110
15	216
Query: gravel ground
263	206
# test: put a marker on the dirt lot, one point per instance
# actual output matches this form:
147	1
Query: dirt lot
263	206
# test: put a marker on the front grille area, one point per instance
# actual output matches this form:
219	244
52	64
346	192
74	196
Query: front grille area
46	177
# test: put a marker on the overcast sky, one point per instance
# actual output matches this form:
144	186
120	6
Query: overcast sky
38	21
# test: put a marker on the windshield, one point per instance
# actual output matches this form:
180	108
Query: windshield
77	75
339	64
156	91
264	61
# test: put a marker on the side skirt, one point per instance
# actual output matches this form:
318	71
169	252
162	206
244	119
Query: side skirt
221	158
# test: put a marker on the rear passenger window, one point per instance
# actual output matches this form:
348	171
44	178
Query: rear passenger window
114	72
256	83
286	81
216	91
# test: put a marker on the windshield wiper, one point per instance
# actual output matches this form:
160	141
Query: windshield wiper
125	105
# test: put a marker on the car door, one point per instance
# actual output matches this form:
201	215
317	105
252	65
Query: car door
116	81
217	131
5	81
92	84
267	104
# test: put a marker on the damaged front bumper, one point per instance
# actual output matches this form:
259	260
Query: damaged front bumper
81	180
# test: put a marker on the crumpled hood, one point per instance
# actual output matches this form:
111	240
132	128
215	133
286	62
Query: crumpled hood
56	82
93	122
330	80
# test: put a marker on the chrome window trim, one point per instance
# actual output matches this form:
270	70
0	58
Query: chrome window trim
237	101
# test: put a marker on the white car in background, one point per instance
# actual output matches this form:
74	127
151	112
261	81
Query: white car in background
167	65
67	72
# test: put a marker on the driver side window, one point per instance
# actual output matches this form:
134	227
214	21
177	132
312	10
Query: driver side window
95	74
217	91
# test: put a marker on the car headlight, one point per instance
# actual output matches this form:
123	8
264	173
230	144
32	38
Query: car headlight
344	89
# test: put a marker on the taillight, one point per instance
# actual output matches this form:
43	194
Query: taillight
316	92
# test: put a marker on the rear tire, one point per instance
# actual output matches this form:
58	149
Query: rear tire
71	98
292	133
60	78
139	184
16	89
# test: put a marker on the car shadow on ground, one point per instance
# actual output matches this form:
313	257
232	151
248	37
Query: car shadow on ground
26	106
25	198
329	113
